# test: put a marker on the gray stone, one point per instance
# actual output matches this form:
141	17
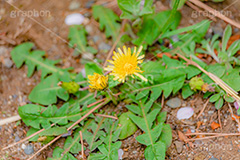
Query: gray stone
236	30
89	29
212	159
3	50
29	150
7	62
74	5
67	134
96	38
89	4
179	146
104	46
218	30
17	138
174	102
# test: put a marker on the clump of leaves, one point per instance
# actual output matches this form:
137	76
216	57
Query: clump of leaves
225	54
153	137
165	77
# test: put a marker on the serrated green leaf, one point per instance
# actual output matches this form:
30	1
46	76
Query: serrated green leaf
131	9
186	91
151	136
72	144
126	125
32	131
77	35
145	123
155	152
46	91
35	115
232	79
57	154
152	27
34	59
92	138
162	117
109	149
166	135
108	20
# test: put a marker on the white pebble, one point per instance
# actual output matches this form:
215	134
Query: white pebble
185	113
74	19
23	146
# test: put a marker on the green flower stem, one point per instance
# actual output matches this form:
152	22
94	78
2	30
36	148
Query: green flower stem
112	96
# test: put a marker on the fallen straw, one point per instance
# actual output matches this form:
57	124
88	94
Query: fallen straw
9	120
217	80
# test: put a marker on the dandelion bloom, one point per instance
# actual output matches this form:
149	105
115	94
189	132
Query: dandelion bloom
97	81
125	64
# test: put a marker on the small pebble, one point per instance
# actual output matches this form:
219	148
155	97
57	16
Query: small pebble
23	146
67	134
174	102
104	46
236	30
74	5
7	62
96	38
212	159
185	113
29	150
120	154
74	19
210	112
179	146
89	28
3	51
17	138
89	4
218	30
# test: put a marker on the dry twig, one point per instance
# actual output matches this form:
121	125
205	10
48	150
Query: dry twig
106	116
9	120
81	138
204	106
215	13
217	80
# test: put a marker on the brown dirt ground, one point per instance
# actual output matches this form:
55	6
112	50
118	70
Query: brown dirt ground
15	86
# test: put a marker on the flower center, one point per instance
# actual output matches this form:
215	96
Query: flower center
128	67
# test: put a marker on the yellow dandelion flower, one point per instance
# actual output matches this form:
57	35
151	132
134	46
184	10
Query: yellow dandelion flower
97	81
125	63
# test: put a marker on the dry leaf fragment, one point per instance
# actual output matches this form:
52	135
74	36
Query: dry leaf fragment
215	125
